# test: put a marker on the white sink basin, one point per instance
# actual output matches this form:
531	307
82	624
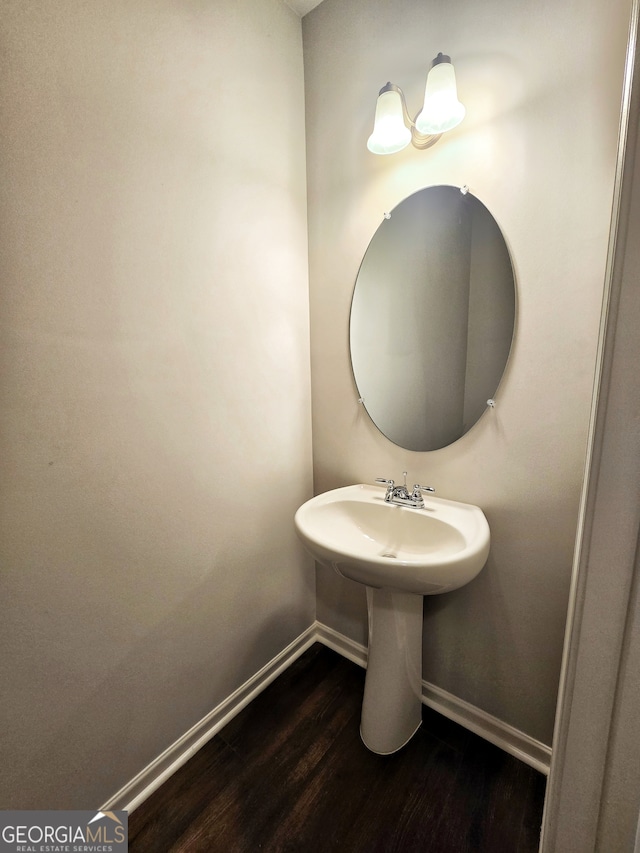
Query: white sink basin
424	551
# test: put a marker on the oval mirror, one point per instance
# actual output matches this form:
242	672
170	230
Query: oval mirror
432	318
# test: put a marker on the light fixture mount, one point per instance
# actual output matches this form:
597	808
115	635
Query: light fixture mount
441	57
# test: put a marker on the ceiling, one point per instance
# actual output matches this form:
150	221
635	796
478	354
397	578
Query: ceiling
301	7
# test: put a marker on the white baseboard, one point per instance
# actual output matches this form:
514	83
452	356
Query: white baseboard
135	792
355	652
513	741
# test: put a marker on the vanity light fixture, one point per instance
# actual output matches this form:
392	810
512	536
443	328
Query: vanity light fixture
394	129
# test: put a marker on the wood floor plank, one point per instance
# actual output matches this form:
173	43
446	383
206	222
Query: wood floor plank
290	773
167	814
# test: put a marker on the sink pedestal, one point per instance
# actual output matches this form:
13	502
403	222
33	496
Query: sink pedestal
392	705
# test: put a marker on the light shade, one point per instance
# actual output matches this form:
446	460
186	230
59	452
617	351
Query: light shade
441	110
390	134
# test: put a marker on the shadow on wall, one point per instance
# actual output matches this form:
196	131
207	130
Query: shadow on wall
473	629
342	606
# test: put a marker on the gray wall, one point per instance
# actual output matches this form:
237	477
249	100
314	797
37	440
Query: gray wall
155	377
542	86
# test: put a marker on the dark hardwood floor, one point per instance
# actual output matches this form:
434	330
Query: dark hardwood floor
290	773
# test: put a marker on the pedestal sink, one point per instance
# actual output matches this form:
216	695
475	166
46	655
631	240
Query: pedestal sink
399	553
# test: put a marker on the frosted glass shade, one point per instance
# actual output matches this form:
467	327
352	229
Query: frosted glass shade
390	134
441	110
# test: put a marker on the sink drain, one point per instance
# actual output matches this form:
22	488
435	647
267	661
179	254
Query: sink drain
390	556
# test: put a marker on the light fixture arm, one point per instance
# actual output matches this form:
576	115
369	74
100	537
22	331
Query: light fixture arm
418	140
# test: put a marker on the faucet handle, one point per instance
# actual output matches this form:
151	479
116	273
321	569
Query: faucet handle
390	488
418	488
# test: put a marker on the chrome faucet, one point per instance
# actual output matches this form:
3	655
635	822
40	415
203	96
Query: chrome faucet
400	494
